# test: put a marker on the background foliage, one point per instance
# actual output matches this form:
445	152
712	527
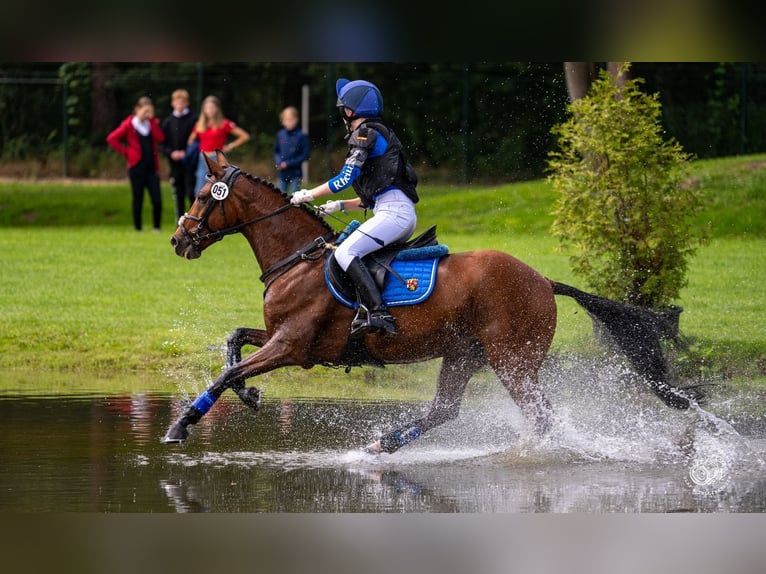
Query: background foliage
482	121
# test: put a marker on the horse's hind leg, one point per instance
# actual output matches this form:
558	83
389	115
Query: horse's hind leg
518	372
454	374
251	396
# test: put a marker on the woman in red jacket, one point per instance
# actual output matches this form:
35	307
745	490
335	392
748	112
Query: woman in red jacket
136	138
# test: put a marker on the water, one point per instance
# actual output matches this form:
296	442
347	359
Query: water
613	448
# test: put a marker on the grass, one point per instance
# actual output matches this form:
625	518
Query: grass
84	293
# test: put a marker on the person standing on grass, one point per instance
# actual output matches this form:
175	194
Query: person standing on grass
212	131
137	138
177	127
291	149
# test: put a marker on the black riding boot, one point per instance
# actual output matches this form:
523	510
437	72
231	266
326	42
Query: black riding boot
372	314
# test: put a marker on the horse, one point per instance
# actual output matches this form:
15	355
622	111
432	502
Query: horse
487	308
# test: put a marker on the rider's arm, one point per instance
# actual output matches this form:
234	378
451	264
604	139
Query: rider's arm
361	147
338	183
352	204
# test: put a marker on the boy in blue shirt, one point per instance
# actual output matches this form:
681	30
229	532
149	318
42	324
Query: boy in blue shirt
291	149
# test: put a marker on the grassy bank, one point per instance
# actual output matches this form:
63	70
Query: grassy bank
84	292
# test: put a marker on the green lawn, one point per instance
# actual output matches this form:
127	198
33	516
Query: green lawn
84	292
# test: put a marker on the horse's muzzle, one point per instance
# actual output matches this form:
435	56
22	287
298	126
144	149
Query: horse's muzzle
183	247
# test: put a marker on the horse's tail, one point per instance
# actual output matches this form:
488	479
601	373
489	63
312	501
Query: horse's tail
638	334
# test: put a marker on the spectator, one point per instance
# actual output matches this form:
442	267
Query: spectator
212	131
291	149
137	138
177	127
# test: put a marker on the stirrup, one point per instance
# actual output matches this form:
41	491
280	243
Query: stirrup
383	321
365	322
361	325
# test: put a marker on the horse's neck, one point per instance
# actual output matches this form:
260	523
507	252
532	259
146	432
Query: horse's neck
280	236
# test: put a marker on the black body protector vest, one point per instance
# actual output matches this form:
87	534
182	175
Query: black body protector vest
390	169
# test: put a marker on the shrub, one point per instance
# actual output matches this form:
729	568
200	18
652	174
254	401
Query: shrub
626	203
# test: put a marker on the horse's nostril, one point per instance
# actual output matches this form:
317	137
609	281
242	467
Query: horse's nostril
173	241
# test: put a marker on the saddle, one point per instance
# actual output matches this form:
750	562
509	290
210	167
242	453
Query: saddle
399	266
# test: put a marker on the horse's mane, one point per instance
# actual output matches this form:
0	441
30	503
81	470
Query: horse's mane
259	180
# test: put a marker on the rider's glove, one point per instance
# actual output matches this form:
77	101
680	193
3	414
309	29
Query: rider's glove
301	196
330	207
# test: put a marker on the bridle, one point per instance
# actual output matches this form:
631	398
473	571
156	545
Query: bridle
202	232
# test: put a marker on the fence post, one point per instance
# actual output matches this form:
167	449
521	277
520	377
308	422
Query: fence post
305	127
65	127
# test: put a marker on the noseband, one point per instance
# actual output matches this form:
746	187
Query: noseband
202	232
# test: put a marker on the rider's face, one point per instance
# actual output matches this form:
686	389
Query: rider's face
345	114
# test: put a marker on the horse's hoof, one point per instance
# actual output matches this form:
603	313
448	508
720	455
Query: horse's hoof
251	396
176	434
373	448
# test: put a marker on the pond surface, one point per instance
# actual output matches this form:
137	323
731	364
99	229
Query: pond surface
611	449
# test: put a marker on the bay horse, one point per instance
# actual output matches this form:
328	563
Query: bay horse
487	308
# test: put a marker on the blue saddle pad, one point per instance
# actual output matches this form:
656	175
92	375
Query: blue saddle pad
419	277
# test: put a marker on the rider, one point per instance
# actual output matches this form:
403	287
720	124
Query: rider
384	181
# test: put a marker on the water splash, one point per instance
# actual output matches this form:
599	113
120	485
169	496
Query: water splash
604	412
612	444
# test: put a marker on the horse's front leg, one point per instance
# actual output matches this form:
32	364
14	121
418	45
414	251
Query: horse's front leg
241	337
274	354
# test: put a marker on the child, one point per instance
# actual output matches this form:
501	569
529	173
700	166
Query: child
291	149
177	127
384	181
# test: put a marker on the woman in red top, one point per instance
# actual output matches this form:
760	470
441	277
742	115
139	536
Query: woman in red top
136	138
213	131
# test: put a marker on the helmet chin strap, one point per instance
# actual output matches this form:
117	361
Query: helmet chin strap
347	120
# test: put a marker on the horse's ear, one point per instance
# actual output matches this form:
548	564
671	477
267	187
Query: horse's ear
222	161
216	169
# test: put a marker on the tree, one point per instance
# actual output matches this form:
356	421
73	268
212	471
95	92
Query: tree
104	114
578	77
625	205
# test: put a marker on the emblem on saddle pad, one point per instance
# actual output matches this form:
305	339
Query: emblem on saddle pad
412	284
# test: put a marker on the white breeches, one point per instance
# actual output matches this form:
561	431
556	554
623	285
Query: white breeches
394	220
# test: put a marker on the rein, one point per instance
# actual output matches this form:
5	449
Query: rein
231	173
276	270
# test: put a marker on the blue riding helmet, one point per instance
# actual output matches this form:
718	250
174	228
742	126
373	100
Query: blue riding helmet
360	96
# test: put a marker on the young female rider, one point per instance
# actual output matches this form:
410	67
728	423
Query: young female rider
384	181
